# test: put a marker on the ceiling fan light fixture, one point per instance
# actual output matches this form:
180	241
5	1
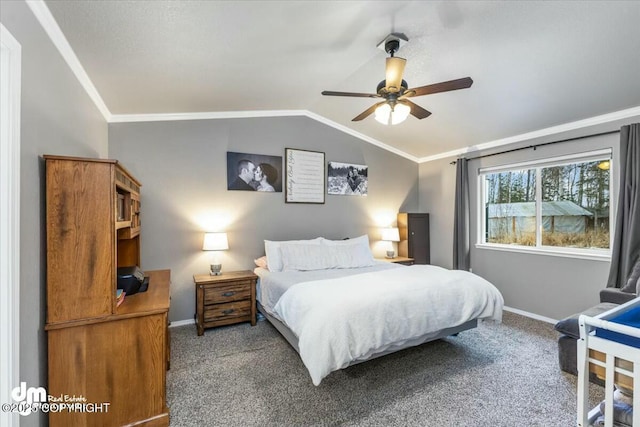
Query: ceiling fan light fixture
388	115
394	90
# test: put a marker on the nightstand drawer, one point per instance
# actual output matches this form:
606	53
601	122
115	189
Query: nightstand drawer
233	292
227	311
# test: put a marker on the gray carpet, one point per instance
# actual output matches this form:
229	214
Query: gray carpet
494	375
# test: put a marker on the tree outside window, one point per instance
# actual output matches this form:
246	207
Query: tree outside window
569	204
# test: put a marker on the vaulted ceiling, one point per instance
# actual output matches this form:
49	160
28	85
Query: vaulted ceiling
535	64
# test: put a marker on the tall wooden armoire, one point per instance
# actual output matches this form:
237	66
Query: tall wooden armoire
101	354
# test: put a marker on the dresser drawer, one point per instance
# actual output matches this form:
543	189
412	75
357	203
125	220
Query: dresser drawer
227	311
226	293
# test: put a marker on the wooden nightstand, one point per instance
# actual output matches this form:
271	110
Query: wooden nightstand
397	260
225	299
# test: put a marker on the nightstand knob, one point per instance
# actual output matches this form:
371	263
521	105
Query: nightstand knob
228	294
228	311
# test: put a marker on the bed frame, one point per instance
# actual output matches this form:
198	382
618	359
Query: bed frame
293	339
604	356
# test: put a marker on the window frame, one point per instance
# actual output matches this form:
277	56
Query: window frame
538	165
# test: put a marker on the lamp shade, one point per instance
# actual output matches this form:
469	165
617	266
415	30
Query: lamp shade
390	234
388	115
215	242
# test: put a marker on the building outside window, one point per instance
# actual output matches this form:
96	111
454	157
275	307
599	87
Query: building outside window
562	203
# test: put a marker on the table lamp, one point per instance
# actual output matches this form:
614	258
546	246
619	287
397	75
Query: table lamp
390	235
215	242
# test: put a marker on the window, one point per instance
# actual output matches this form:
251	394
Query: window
560	204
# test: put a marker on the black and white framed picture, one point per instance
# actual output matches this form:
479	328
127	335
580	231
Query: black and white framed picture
254	172
305	176
347	179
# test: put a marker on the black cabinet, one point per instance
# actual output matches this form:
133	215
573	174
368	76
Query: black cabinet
414	237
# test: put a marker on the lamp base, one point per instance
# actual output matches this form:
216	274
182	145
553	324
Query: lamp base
215	269
391	254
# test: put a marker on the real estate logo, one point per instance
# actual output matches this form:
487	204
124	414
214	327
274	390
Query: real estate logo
27	400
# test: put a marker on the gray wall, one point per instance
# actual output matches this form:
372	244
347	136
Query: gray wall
182	167
549	286
57	118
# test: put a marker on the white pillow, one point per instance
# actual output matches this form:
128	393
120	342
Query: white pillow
361	240
308	257
272	249
320	257
364	239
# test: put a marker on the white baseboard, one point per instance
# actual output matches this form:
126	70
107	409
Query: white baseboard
531	315
182	323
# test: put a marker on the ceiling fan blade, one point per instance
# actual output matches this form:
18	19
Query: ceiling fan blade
439	87
417	111
393	75
353	94
367	112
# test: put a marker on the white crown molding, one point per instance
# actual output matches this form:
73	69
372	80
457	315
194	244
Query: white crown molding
162	117
128	118
592	121
49	24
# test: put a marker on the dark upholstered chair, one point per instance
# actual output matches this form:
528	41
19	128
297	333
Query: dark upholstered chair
569	330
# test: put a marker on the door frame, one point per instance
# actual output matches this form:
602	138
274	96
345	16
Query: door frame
10	84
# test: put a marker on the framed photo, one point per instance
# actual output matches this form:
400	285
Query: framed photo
304	176
347	179
254	172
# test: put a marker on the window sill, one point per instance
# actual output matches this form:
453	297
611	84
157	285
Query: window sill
595	255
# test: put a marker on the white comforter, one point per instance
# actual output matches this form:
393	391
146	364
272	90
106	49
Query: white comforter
349	318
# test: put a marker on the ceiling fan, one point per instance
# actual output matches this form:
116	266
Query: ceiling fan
394	90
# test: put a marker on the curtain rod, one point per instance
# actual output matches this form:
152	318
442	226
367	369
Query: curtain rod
540	145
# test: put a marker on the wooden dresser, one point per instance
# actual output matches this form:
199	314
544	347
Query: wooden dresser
112	357
225	299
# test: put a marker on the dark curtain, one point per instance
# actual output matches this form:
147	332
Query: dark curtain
461	243
626	241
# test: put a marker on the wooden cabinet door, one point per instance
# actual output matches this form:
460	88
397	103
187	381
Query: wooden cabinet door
419	238
414	237
119	362
80	240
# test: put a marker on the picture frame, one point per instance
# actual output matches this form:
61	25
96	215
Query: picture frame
254	172
304	176
347	179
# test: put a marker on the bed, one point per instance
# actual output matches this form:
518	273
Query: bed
337	306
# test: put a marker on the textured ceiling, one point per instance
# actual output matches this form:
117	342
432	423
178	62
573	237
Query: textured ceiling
535	64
